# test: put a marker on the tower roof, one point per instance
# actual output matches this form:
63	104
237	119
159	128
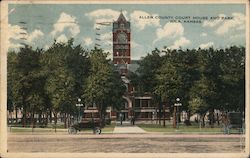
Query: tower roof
121	17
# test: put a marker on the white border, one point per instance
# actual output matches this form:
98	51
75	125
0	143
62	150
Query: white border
3	85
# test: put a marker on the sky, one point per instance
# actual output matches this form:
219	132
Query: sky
216	25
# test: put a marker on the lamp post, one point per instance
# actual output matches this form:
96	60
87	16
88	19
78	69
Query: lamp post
79	104
177	105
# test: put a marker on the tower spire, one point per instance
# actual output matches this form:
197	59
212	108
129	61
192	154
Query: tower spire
121	17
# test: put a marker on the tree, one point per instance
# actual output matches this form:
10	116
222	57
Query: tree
118	89
98	83
233	79
60	80
148	67
30	79
201	94
168	85
12	78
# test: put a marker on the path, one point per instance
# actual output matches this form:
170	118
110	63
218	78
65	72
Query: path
126	127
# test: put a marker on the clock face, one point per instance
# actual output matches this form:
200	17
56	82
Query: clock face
122	38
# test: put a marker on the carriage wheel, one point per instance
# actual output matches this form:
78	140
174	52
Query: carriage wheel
72	130
97	130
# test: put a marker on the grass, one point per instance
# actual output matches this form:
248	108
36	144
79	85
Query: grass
182	129
28	129
107	128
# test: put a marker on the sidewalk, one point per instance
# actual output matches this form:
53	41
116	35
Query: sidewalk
127	128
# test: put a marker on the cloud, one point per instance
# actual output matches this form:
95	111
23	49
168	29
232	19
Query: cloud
100	13
46	47
14	46
206	45
139	23
238	23
203	34
237	36
213	23
106	36
104	15
34	35
62	39
16	35
134	44
183	41
169	30
16	32
66	21
87	41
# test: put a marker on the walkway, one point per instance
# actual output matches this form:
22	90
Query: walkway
127	128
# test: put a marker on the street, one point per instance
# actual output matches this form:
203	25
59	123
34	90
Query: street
124	143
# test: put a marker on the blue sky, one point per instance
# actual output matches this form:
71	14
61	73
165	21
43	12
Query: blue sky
44	23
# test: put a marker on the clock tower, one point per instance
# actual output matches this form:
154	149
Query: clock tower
121	44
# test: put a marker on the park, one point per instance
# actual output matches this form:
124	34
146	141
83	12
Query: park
172	100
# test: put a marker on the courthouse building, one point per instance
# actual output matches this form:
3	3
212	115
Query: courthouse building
138	106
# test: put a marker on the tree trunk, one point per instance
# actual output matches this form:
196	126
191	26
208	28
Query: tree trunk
203	120
188	115
32	120
159	116
65	120
218	120
40	118
174	118
100	110
55	120
211	118
69	120
164	116
50	116
16	115
24	117
47	118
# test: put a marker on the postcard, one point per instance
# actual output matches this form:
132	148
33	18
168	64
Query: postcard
124	78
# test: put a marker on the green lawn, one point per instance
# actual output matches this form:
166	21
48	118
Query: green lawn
107	128
28	129
182	128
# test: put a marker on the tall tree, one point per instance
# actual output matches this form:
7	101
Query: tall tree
30	79
99	80
60	80
148	67
13	100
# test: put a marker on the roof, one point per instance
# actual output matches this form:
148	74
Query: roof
121	18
